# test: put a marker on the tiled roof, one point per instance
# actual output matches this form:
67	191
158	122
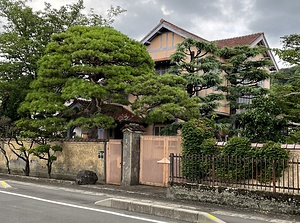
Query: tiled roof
251	40
182	31
230	42
117	112
238	41
167	25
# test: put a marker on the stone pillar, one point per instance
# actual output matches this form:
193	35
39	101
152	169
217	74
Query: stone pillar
131	154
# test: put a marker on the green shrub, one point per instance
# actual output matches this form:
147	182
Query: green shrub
237	147
194	132
246	162
234	164
198	140
270	156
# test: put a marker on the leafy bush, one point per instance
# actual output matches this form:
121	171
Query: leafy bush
234	164
194	132
246	162
293	137
237	147
270	157
198	139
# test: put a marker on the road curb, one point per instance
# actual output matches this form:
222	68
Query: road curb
4	185
177	212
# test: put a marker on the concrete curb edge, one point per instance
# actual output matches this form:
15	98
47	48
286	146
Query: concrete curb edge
160	209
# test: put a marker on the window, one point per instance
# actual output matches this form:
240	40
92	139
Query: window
158	129
245	100
162	67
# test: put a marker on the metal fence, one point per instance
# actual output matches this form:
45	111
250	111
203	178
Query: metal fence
251	173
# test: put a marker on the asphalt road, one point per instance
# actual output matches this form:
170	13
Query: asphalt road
30	203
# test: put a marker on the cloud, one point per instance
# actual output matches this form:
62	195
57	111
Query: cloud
165	11
210	19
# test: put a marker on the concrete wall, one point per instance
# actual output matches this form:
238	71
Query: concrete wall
261	201
76	155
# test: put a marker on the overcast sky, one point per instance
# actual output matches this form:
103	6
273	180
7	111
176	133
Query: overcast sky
209	19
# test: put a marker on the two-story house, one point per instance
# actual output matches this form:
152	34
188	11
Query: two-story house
161	43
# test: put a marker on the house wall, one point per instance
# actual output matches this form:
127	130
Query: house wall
76	156
163	45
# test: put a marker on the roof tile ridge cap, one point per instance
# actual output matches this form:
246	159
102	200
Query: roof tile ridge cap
239	37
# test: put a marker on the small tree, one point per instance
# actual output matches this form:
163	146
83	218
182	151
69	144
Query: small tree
5	132
21	149
9	137
47	152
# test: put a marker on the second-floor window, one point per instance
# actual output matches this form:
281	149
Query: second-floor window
162	67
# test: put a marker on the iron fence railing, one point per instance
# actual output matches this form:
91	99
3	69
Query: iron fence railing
252	173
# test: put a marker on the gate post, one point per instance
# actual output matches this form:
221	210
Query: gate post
131	153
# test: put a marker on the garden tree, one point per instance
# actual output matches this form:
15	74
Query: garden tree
285	76
10	141
263	121
288	93
290	51
40	134
286	85
162	98
100	66
23	39
195	61
5	133
244	72
46	152
21	148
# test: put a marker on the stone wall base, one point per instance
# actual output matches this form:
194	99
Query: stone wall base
261	201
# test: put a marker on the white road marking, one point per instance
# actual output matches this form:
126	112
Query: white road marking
82	207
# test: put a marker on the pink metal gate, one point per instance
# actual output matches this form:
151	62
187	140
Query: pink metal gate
154	158
114	161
